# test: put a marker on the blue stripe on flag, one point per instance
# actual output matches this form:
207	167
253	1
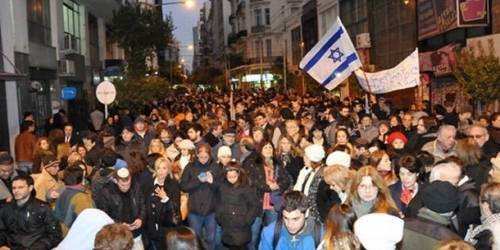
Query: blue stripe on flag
351	58
324	49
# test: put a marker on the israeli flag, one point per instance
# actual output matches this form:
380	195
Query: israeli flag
333	58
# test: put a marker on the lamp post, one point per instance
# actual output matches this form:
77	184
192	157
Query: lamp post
188	3
303	77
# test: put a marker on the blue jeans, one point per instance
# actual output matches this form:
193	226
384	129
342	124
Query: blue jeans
200	222
256	229
218	238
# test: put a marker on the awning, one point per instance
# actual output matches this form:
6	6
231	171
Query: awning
5	76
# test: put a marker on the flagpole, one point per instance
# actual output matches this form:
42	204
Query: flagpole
367	108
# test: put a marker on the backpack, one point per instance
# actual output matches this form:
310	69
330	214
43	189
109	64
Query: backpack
279	225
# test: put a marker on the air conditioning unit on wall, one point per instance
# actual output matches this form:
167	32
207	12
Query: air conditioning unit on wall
363	41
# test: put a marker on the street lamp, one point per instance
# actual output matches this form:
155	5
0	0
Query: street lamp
188	3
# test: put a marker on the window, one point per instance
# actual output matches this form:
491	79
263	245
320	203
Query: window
268	16
296	49
39	21
269	48
258	17
257	48
71	25
93	39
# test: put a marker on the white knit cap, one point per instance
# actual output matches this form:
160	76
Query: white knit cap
367	229
224	151
315	152
339	158
186	144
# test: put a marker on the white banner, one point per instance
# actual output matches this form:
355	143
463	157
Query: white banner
405	75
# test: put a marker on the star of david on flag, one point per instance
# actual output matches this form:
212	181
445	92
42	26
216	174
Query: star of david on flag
336	55
332	59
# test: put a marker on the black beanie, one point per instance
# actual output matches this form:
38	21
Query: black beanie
440	197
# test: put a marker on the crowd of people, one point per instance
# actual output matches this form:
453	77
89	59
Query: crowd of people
255	170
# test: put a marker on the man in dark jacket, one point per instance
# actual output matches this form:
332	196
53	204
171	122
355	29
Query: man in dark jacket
124	202
481	136
142	132
214	133
7	174
27	223
199	180
433	222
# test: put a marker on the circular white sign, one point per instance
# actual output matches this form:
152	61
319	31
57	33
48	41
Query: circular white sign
106	92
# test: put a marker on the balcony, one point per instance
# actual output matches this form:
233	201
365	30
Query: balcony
258	29
234	37
71	44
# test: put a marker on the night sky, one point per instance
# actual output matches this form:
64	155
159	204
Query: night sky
184	21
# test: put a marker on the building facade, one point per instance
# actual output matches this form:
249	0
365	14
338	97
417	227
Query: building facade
55	44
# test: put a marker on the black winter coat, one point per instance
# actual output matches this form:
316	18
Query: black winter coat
202	195
468	209
326	198
30	226
257	176
293	165
111	202
237	209
415	204
162	216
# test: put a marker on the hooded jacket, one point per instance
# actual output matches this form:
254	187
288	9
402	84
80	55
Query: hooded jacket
84	229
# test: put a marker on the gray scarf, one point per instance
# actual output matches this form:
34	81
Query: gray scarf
362	207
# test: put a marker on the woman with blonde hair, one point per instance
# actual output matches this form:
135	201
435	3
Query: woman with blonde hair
369	193
339	227
156	146
382	162
333	188
163	204
290	156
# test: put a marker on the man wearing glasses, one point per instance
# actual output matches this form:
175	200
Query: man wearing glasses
481	136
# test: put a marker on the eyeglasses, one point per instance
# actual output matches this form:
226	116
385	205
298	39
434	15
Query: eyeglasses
475	136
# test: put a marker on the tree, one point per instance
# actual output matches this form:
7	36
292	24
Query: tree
206	76
139	91
140	31
479	73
